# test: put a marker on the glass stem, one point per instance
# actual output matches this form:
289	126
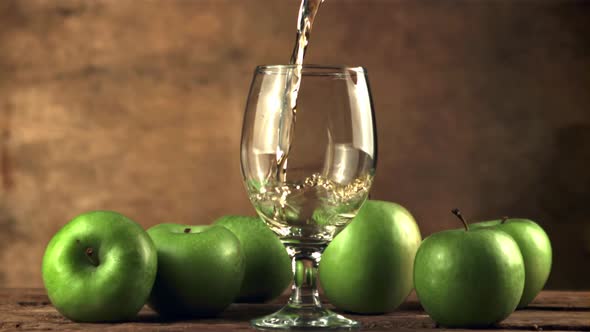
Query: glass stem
304	292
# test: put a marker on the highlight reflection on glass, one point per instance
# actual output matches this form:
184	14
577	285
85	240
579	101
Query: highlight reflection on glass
310	196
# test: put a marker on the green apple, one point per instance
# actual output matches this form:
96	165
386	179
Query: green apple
368	267
268	266
99	267
200	270
536	251
469	277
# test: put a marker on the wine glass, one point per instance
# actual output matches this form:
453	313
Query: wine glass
308	156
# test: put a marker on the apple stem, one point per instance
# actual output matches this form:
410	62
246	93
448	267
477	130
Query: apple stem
187	230
504	219
457	212
90	254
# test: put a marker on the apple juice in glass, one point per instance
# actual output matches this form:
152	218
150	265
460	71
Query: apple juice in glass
308	157
308	170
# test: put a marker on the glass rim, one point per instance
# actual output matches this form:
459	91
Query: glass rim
311	69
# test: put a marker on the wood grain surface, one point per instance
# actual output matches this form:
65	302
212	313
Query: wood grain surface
30	310
136	106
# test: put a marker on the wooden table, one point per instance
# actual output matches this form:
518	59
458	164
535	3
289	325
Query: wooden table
29	310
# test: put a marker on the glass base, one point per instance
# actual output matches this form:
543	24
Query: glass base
312	317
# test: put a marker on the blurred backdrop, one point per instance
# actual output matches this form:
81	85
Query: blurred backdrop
136	106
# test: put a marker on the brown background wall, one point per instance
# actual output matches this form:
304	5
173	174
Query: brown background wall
136	106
